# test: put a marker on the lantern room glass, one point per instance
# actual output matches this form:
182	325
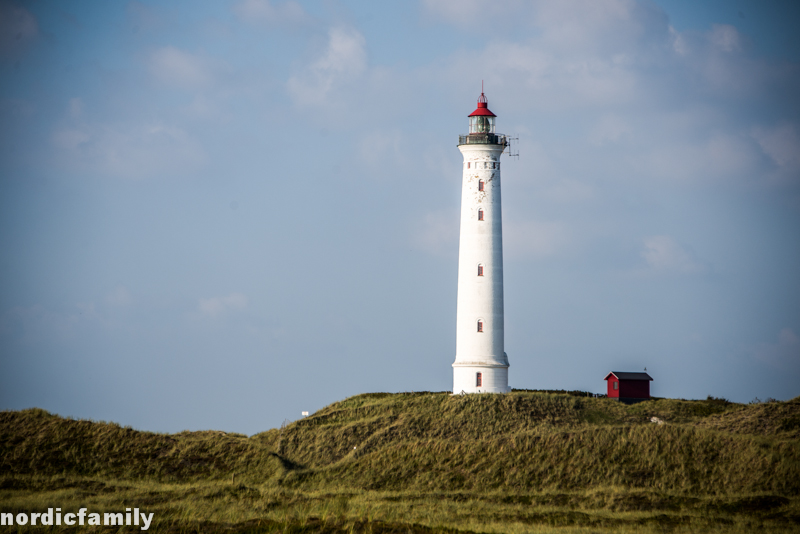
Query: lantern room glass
481	124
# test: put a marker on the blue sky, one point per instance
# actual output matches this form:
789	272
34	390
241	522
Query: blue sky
221	214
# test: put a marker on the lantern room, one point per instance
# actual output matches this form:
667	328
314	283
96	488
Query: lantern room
481	121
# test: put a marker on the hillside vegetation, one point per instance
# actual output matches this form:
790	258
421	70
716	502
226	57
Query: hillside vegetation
430	462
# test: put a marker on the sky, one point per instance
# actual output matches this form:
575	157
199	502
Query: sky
217	215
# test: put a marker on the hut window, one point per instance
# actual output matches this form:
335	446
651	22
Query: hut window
616	385
480	185
479	380
480	215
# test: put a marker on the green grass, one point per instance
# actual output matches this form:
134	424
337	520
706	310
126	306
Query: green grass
429	462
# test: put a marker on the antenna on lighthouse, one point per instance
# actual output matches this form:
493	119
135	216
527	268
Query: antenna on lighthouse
510	140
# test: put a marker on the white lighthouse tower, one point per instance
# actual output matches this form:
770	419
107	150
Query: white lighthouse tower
481	364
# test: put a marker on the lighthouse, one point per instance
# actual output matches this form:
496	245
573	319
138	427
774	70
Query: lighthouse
481	364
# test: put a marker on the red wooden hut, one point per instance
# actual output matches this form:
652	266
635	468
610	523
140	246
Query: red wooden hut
628	386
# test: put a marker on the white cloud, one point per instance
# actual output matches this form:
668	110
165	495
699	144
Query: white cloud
69	139
533	75
679	42
568	191
216	306
782	145
655	103
18	29
129	151
469	13
600	27
142	17
607	27
783	354
725	38
176	67
119	297
36	323
343	61
730	155
663	254
534	238
32	324
382	149
695	152
267	13
438	232
580	55
609	129
126	150
715	62
205	108
75	108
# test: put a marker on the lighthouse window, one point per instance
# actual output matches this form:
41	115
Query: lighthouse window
479	380
480	270
480	215
480	185
480	326
468	163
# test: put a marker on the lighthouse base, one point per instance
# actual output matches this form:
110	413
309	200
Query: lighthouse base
476	378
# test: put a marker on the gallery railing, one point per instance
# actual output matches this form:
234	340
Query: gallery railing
483	139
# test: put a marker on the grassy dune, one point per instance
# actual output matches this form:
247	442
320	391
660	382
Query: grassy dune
429	462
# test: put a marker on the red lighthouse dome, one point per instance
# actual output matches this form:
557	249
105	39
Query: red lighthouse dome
481	120
483	108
